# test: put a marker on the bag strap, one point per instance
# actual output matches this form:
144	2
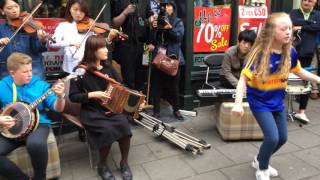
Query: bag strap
99	74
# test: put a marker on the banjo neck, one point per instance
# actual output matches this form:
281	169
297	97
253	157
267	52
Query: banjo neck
35	103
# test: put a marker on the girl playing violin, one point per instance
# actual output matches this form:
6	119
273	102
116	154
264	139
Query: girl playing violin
103	128
22	42
68	37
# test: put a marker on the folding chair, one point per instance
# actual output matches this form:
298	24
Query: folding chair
213	62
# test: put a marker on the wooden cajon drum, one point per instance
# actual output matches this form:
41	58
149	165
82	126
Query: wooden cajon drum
237	128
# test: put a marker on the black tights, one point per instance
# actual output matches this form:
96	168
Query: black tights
124	144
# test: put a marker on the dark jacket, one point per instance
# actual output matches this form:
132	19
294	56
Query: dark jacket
171	39
309	31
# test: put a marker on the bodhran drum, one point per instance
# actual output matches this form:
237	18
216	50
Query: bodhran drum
27	120
297	86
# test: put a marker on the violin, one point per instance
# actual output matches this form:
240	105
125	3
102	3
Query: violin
99	28
31	26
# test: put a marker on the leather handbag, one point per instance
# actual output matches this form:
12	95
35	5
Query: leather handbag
166	64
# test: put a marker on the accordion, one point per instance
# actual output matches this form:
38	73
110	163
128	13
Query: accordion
123	100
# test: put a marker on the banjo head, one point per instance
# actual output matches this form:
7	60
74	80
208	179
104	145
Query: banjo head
24	117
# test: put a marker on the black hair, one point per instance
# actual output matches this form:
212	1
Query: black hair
3	2
248	36
93	43
83	5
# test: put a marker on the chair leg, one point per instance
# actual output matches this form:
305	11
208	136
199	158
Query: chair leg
60	132
89	151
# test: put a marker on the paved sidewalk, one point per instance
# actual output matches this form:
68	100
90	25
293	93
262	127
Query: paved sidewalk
153	158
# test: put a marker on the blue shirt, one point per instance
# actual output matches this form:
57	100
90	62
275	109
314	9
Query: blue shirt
267	95
28	93
24	43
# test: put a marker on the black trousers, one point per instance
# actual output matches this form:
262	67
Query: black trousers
36	144
129	55
303	102
163	85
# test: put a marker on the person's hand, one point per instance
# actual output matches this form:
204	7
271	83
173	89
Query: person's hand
7	122
237	110
76	45
4	41
58	89
129	9
100	95
112	35
142	105
167	26
297	28
150	47
42	35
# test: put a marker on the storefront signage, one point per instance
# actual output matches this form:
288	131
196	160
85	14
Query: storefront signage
252	17
211	29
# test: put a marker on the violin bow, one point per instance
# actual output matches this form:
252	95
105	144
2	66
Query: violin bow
90	27
23	23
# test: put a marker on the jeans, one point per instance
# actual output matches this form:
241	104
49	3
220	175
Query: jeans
274	126
36	144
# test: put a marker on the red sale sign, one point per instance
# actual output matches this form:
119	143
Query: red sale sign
211	29
252	17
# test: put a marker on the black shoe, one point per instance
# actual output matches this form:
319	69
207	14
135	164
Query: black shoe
125	172
82	135
177	115
105	173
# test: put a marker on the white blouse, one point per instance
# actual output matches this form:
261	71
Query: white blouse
65	34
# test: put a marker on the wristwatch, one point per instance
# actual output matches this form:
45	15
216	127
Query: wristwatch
61	96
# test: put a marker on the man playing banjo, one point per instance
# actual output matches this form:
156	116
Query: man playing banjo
20	86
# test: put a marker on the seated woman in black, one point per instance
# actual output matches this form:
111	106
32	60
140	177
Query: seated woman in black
103	127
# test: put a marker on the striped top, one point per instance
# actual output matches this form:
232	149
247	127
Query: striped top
268	94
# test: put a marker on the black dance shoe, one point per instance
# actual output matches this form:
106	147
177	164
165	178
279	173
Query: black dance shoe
125	172
178	115
105	173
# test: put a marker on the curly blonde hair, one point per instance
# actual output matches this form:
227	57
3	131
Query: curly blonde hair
261	51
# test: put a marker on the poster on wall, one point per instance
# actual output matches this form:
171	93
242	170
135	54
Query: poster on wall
251	17
211	29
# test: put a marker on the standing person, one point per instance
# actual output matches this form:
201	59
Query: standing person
265	78
306	22
170	37
234	59
20	85
131	16
22	42
103	127
68	37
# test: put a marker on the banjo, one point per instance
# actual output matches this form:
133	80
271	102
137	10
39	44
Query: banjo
26	116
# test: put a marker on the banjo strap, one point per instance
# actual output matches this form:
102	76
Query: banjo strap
14	93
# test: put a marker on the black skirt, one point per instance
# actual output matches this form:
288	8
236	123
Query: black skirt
102	130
